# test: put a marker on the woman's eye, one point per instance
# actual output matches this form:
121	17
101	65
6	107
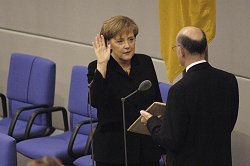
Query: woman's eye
119	41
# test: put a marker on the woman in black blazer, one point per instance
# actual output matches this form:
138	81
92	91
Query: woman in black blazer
116	73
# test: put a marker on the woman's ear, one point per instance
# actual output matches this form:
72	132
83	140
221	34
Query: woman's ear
107	42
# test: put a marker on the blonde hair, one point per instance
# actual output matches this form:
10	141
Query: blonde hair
117	25
45	161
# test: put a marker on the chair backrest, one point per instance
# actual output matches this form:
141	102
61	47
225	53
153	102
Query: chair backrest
78	99
164	88
31	81
8	150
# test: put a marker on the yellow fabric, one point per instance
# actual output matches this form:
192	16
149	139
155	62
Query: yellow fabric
176	14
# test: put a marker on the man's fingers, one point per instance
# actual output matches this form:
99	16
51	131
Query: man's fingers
143	120
145	114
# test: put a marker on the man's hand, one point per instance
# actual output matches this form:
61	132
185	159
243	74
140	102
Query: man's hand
145	116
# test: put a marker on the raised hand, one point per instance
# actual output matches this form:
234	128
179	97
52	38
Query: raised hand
101	50
102	53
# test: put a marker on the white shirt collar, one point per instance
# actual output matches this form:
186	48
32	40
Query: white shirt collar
195	63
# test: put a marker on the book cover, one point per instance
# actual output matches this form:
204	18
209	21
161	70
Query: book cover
156	109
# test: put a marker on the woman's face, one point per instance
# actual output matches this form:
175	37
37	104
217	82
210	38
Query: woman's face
123	47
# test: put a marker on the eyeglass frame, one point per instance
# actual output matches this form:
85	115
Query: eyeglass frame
174	47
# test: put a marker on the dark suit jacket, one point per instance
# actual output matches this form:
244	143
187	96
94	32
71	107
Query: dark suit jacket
106	96
201	113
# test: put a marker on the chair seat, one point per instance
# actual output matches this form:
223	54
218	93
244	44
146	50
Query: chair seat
19	129
8	150
51	146
84	161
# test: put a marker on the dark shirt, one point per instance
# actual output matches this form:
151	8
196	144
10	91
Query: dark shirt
106	96
201	113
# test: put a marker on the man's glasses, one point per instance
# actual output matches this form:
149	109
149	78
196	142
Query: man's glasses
174	47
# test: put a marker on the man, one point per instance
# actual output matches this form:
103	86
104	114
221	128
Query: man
202	109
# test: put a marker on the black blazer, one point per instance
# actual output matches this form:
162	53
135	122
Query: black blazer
201	113
106	96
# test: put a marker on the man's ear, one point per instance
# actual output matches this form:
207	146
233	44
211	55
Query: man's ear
183	53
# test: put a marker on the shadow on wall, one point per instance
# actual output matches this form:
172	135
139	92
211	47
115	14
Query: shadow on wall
240	149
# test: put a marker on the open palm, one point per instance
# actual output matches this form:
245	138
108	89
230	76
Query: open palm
101	50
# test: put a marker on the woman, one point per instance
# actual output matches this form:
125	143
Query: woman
117	72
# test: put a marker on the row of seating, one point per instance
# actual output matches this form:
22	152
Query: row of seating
30	94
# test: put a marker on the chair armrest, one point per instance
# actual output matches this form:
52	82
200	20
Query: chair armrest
18	113
4	104
73	137
46	111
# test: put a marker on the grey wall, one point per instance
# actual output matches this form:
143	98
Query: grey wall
62	31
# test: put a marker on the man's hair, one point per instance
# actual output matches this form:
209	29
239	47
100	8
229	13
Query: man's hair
193	46
116	25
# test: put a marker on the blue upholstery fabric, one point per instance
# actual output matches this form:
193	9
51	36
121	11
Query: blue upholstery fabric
164	88
20	127
84	161
78	98
162	163
51	146
77	107
8	150
31	81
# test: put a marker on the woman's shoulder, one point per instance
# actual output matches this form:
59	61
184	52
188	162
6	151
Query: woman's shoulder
92	64
143	57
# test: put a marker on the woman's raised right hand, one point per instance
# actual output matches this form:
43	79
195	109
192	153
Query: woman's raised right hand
102	51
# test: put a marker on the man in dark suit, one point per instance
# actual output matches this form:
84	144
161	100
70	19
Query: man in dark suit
202	109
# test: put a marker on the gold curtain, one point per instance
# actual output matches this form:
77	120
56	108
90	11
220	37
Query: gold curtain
176	14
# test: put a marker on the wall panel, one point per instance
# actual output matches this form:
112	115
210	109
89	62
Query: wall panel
230	49
80	20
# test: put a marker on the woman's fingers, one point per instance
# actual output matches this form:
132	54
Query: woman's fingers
103	41
99	41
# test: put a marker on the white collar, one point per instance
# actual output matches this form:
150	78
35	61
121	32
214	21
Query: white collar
195	63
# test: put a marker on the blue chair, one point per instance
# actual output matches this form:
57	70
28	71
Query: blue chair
31	85
84	161
164	88
85	158
8	150
68	145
